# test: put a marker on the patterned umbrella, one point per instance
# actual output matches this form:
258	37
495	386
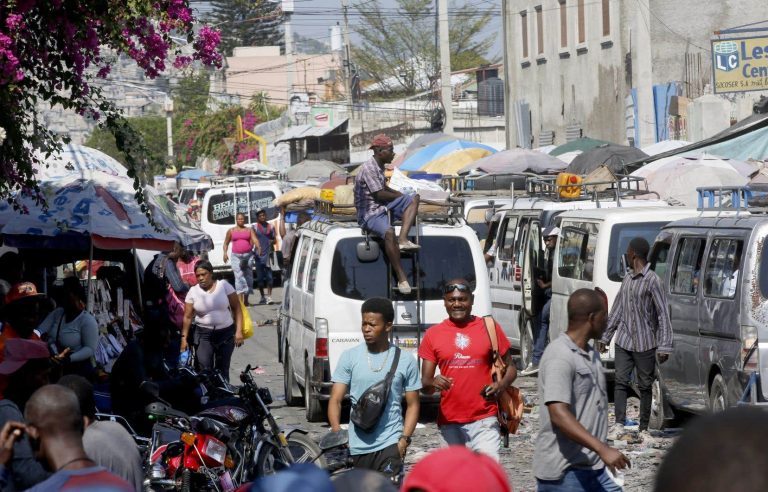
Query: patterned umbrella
419	160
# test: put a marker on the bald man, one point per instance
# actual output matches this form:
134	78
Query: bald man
55	429
571	451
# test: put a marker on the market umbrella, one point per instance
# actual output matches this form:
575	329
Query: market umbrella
419	143
423	157
516	161
449	164
194	174
705	160
78	160
580	144
678	184
665	146
102	212
568	157
615	157
312	169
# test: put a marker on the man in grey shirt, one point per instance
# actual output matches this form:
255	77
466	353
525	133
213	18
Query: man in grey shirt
571	452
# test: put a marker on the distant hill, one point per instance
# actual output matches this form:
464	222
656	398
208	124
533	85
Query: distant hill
309	46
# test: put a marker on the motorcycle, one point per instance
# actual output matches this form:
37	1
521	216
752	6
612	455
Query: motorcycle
225	446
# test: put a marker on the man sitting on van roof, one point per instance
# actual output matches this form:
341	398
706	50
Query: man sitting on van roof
374	200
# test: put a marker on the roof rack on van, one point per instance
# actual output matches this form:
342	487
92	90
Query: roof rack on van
465	185
240	178
624	186
429	211
729	199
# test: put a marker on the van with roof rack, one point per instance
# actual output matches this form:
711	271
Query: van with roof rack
336	267
714	269
230	195
515	251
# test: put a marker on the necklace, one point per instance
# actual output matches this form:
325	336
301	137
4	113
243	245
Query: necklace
81	458
382	364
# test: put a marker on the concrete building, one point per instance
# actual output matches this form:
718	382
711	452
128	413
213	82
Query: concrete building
253	70
615	70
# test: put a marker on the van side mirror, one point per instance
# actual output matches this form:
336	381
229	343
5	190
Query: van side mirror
489	213
368	251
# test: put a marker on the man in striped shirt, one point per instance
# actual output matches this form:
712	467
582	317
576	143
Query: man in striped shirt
640	320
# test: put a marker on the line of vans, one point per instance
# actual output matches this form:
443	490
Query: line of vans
336	267
229	196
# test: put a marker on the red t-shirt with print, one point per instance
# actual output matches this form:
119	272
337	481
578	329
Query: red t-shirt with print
462	352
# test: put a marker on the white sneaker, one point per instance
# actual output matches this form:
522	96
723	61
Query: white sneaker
408	246
616	431
404	287
530	369
269	300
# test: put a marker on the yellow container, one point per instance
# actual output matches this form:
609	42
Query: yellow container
327	194
569	185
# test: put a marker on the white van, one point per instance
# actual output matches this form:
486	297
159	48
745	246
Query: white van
232	195
590	253
335	269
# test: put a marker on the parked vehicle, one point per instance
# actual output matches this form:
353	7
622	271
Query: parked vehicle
478	209
230	196
515	236
590	253
188	192
714	269
336	267
224	446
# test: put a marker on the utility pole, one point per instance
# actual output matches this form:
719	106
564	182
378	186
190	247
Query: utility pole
287	7
347	62
445	66
168	106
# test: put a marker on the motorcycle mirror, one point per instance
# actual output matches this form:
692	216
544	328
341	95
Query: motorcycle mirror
334	440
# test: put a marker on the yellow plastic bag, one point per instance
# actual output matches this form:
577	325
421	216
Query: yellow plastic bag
247	323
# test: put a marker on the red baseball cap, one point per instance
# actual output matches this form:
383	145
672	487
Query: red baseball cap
20	350
22	290
457	469
380	140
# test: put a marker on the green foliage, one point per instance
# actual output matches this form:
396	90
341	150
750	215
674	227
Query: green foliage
248	23
151	129
191	95
403	47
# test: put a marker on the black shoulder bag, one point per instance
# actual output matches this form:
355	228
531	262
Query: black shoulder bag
366	412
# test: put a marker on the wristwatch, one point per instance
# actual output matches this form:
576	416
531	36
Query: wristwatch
407	438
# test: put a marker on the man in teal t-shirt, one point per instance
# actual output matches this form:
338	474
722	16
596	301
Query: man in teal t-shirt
383	448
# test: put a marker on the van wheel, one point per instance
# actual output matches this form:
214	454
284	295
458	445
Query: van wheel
526	344
290	386
717	391
657	406
312	406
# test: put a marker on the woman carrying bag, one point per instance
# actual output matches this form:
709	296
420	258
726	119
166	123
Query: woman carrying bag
213	307
243	241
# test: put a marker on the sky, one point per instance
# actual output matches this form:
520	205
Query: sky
313	18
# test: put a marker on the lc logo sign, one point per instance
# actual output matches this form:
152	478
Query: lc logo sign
726	56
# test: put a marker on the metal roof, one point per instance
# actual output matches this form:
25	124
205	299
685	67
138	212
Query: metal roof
300	132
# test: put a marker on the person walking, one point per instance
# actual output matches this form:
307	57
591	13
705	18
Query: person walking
461	347
288	237
243	241
570	452
214	307
374	200
55	425
383	447
641	325
544	282
265	235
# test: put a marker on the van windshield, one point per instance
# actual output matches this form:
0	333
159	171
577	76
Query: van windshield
621	235
442	258
476	220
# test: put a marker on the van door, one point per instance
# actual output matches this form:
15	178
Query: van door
298	298
501	276
720	330
681	371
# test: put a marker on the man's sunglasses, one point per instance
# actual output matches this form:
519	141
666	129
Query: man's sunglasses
460	287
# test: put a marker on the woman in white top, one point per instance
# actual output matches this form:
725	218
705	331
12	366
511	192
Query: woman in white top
214	308
72	332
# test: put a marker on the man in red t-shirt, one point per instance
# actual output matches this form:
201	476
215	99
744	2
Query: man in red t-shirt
461	348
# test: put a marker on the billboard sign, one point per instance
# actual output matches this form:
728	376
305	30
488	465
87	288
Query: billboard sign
740	64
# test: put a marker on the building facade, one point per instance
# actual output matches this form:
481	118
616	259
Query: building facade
615	70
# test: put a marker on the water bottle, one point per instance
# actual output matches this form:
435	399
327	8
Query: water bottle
184	358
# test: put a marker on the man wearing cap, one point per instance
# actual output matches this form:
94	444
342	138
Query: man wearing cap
544	282
374	201
27	366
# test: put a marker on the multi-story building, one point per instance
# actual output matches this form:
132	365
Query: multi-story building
617	70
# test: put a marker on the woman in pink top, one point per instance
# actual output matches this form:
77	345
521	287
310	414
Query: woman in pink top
243	241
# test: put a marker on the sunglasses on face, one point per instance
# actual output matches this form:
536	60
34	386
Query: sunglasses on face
451	287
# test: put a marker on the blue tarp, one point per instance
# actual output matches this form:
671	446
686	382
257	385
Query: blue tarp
753	145
662	95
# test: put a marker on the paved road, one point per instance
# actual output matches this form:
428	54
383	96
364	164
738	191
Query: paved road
261	350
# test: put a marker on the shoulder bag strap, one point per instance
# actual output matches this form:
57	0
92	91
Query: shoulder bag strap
391	373
496	358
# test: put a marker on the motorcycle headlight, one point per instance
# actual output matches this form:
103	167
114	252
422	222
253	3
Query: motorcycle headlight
215	450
